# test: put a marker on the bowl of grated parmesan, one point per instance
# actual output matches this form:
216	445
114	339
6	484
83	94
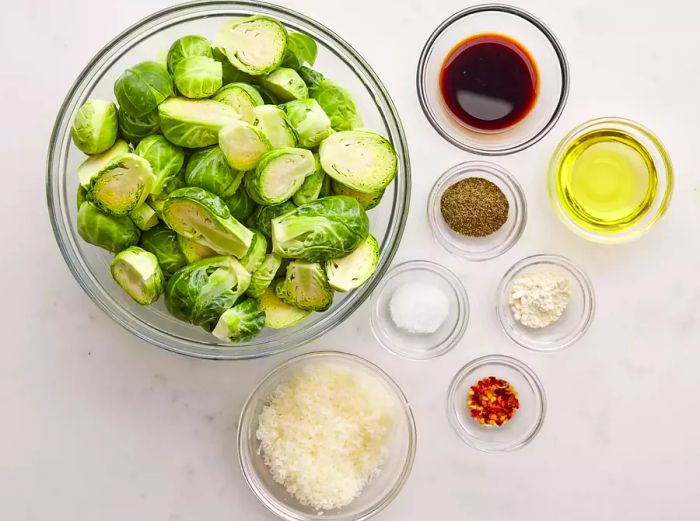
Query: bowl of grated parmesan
326	435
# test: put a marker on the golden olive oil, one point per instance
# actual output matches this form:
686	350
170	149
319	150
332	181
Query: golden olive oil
606	180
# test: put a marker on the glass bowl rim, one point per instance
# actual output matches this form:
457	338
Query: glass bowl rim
246	419
150	332
589	301
516	192
510	10
463	313
520	367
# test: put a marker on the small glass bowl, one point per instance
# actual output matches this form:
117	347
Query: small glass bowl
479	248
376	495
549	58
420	346
521	428
570	327
662	166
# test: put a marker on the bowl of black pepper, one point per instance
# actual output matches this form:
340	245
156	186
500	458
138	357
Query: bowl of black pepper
477	210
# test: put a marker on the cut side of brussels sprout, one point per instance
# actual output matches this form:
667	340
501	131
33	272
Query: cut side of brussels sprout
144	217
279	174
164	244
254	44
305	286
309	121
230	73
141	88
285	84
256	253
110	232
138	273
360	159
166	160
338	104
264	214
198	76
243	145
324	229
95	126
136	128
353	270
272	120
194	123
368	200
202	291
240	205
263	276
240	323
122	185
242	98
93	164
193	251
185	47
312	185
208	169
279	315
203	217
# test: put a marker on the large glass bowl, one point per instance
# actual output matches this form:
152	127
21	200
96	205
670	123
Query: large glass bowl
145	40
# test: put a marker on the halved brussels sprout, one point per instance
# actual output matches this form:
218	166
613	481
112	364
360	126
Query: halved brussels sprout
279	315
138	273
256	253
243	145
285	84
198	76
323	229
200	292
368	200
338	104
162	242
240	323
166	160
208	169
95	126
80	196
240	205
353	270
194	123
312	185
254	44
243	98
186	47
193	251
93	164
279	174
272	120
263	276
230	73
305	286
309	121
122	185
141	88
110	232
203	217
136	128
144	217
360	159
264	214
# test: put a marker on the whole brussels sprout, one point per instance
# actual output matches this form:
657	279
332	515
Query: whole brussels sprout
243	98
254	45
265	214
243	145
323	229
138	273
256	253
135	128
309	121
185	47
285	84
110	232
272	120
166	160
141	88
208	169
162	242
278	314
240	205
305	286
194	123
93	164
312	185
353	270
240	323
95	126
368	200
279	174
122	185
198	76
263	276
202	291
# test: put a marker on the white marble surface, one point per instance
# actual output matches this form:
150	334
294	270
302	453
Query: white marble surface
99	425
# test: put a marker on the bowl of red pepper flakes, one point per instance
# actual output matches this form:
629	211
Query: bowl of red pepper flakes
496	404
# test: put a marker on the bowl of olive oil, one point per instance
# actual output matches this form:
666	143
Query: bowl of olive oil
610	180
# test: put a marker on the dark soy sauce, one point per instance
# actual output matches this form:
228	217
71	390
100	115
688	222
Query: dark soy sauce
489	82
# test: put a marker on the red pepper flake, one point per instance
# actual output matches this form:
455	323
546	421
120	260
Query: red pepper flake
492	401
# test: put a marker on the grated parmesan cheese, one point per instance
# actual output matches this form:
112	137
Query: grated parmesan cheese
325	432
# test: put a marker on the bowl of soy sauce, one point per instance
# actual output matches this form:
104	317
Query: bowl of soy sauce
493	79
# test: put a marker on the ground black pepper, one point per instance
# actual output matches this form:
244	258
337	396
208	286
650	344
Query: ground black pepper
475	207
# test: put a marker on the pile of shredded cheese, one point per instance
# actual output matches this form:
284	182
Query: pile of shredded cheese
325	432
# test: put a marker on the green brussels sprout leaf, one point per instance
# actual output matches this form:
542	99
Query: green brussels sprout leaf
263	276
240	205
312	185
256	253
338	104
240	323
285	84
162	242
303	46
264	214
136	128
198	76
208	169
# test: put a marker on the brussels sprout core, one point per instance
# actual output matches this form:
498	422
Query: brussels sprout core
242	98
272	120
240	323
243	145
306	287
353	270
138	273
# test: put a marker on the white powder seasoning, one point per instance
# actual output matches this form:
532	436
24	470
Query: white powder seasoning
539	298
419	308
